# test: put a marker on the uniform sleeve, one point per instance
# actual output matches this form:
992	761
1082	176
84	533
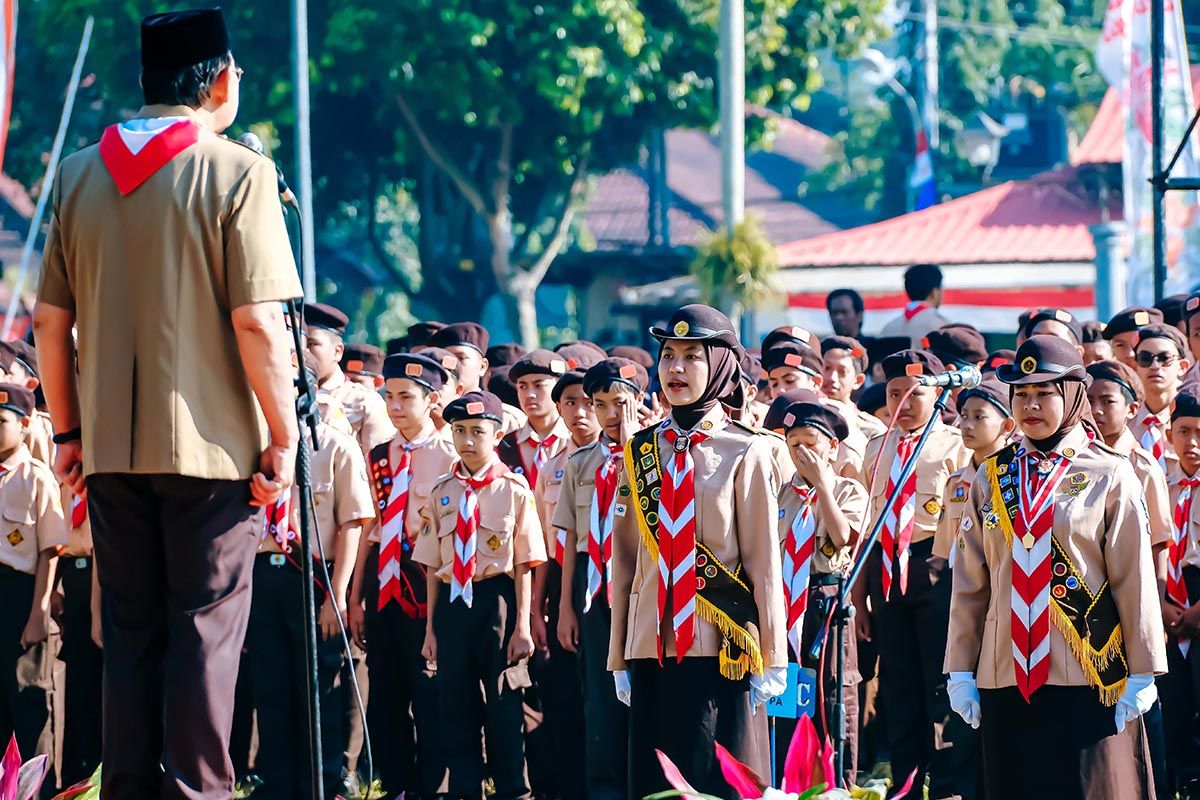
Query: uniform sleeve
756	514
1158	503
943	538
1130	571
258	256
870	456
377	427
55	286
852	498
428	550
52	530
626	541
353	498
529	540
564	512
972	592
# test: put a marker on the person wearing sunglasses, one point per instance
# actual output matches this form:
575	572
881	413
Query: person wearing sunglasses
1162	358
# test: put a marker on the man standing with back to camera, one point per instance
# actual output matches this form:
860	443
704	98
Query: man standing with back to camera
167	248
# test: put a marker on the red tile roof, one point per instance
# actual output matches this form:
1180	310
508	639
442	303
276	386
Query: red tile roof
1105	139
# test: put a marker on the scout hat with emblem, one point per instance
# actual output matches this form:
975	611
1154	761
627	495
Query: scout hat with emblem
321	315
573	377
1161	330
16	398
475	405
911	363
1121	374
181	39
1059	315
773	419
462	334
1191	307
505	355
850	345
1130	319
957	345
699	323
789	333
602	376
581	354
445	358
1187	403
538	362
418	368
637	354
991	391
1172	308
362	359
872	398
501	384
1042	359
996	359
817	416
794	355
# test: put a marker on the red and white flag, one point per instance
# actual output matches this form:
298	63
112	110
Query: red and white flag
8	38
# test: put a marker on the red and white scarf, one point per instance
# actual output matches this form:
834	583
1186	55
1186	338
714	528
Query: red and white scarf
798	549
466	531
600	526
1037	480
541	454
913	308
277	522
133	151
1176	588
78	511
1154	439
896	537
392	521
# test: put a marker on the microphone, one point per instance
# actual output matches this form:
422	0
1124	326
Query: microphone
967	377
252	141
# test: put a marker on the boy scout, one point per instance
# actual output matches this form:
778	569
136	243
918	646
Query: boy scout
324	327
585	515
843	372
910	603
34	529
1180	687
363	364
821	515
1161	356
18	364
451	389
468	342
387	608
480	540
790	365
342	504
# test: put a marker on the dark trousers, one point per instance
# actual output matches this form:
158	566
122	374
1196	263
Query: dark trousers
276	644
24	710
175	557
471	656
681	708
1061	745
85	669
606	763
923	733
1179	693
402	714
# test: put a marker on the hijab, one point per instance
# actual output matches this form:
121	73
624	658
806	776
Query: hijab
1076	410
724	385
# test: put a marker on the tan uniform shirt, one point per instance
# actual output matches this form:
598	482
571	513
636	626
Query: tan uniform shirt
1138	427
365	409
868	424
1154	487
79	540
549	488
153	277
341	491
527	439
736	511
1103	530
32	512
917	328
958	490
39	438
332	414
851	499
943	454
573	511
509	533
429	464
1191	555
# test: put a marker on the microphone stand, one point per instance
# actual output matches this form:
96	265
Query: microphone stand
844	611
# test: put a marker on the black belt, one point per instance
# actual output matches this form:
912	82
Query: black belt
825	579
77	562
281	560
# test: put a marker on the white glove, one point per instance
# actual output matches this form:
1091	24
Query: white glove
621	679
964	697
768	686
1139	695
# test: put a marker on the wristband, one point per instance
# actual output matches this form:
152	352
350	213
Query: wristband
73	435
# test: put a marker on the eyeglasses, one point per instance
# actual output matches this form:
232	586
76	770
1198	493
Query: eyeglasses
1146	359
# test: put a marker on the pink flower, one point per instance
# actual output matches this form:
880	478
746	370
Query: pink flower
20	781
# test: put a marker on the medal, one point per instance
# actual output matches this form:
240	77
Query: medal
1045	467
1027	541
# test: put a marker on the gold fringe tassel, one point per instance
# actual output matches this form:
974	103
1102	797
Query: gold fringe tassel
1091	660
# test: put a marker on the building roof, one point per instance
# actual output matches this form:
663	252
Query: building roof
1105	139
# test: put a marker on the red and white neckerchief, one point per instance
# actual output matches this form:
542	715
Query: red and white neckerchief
541	454
466	531
560	545
798	549
133	151
1154	439
896	536
914	308
277	522
1176	588
1038	477
600	525
677	537
391	522
78	511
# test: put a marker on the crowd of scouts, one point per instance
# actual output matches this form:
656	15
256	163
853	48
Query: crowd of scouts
551	564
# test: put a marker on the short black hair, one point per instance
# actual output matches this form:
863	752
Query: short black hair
921	279
189	86
855	299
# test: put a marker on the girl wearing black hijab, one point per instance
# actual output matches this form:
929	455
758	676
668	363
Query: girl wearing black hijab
698	620
1055	631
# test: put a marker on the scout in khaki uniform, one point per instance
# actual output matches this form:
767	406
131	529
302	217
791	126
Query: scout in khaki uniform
34	529
468	342
910	603
167	251
387	608
1180	687
585	515
1055	630
342	505
843	373
820	518
1161	357
923	285
1095	346
480	541
363	364
695	646
18	364
1122	331
450	390
324	327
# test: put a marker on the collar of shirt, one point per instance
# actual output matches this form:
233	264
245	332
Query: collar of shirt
717	414
157	111
1076	440
460	467
20	456
1126	443
1144	413
427	431
559	429
1175	474
333	381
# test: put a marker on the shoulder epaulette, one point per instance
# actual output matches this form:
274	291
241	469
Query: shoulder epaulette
1103	447
737	423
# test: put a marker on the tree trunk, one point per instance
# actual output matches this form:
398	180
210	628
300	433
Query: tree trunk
517	288
523	316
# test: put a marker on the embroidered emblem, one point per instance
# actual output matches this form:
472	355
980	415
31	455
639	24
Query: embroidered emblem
700	584
519	471
620	509
558	474
646	449
782	513
1059	591
1028	365
681	328
1002	469
277	560
623	491
1072	583
960	493
933	507
494	542
966	524
629	371
1060	569
701	559
991	521
15	538
445	501
710	572
962	543
706	425
1079	479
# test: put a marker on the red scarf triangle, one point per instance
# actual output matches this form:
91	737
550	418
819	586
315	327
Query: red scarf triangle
129	171
912	309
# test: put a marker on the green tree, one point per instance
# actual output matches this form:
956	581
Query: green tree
736	271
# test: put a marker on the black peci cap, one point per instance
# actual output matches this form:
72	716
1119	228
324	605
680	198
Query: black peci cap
873	398
418	368
699	323
1041	359
181	39
1130	319
815	415
362	359
794	355
616	370
16	398
991	391
538	362
501	384
321	315
573	377
396	346
911	363
461	334
475	405
1093	331
1187	403
1172	308
880	347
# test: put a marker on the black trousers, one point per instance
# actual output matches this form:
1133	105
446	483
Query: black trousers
276	645
23	707
471	656
923	733
1179	693
681	708
85	670
402	714
175	556
606	762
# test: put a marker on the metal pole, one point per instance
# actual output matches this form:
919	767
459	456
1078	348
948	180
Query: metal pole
927	75
1157	53
308	270
732	91
917	125
39	212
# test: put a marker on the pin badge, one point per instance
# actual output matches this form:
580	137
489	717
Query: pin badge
15	538
681	328
991	521
1027	541
494	542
